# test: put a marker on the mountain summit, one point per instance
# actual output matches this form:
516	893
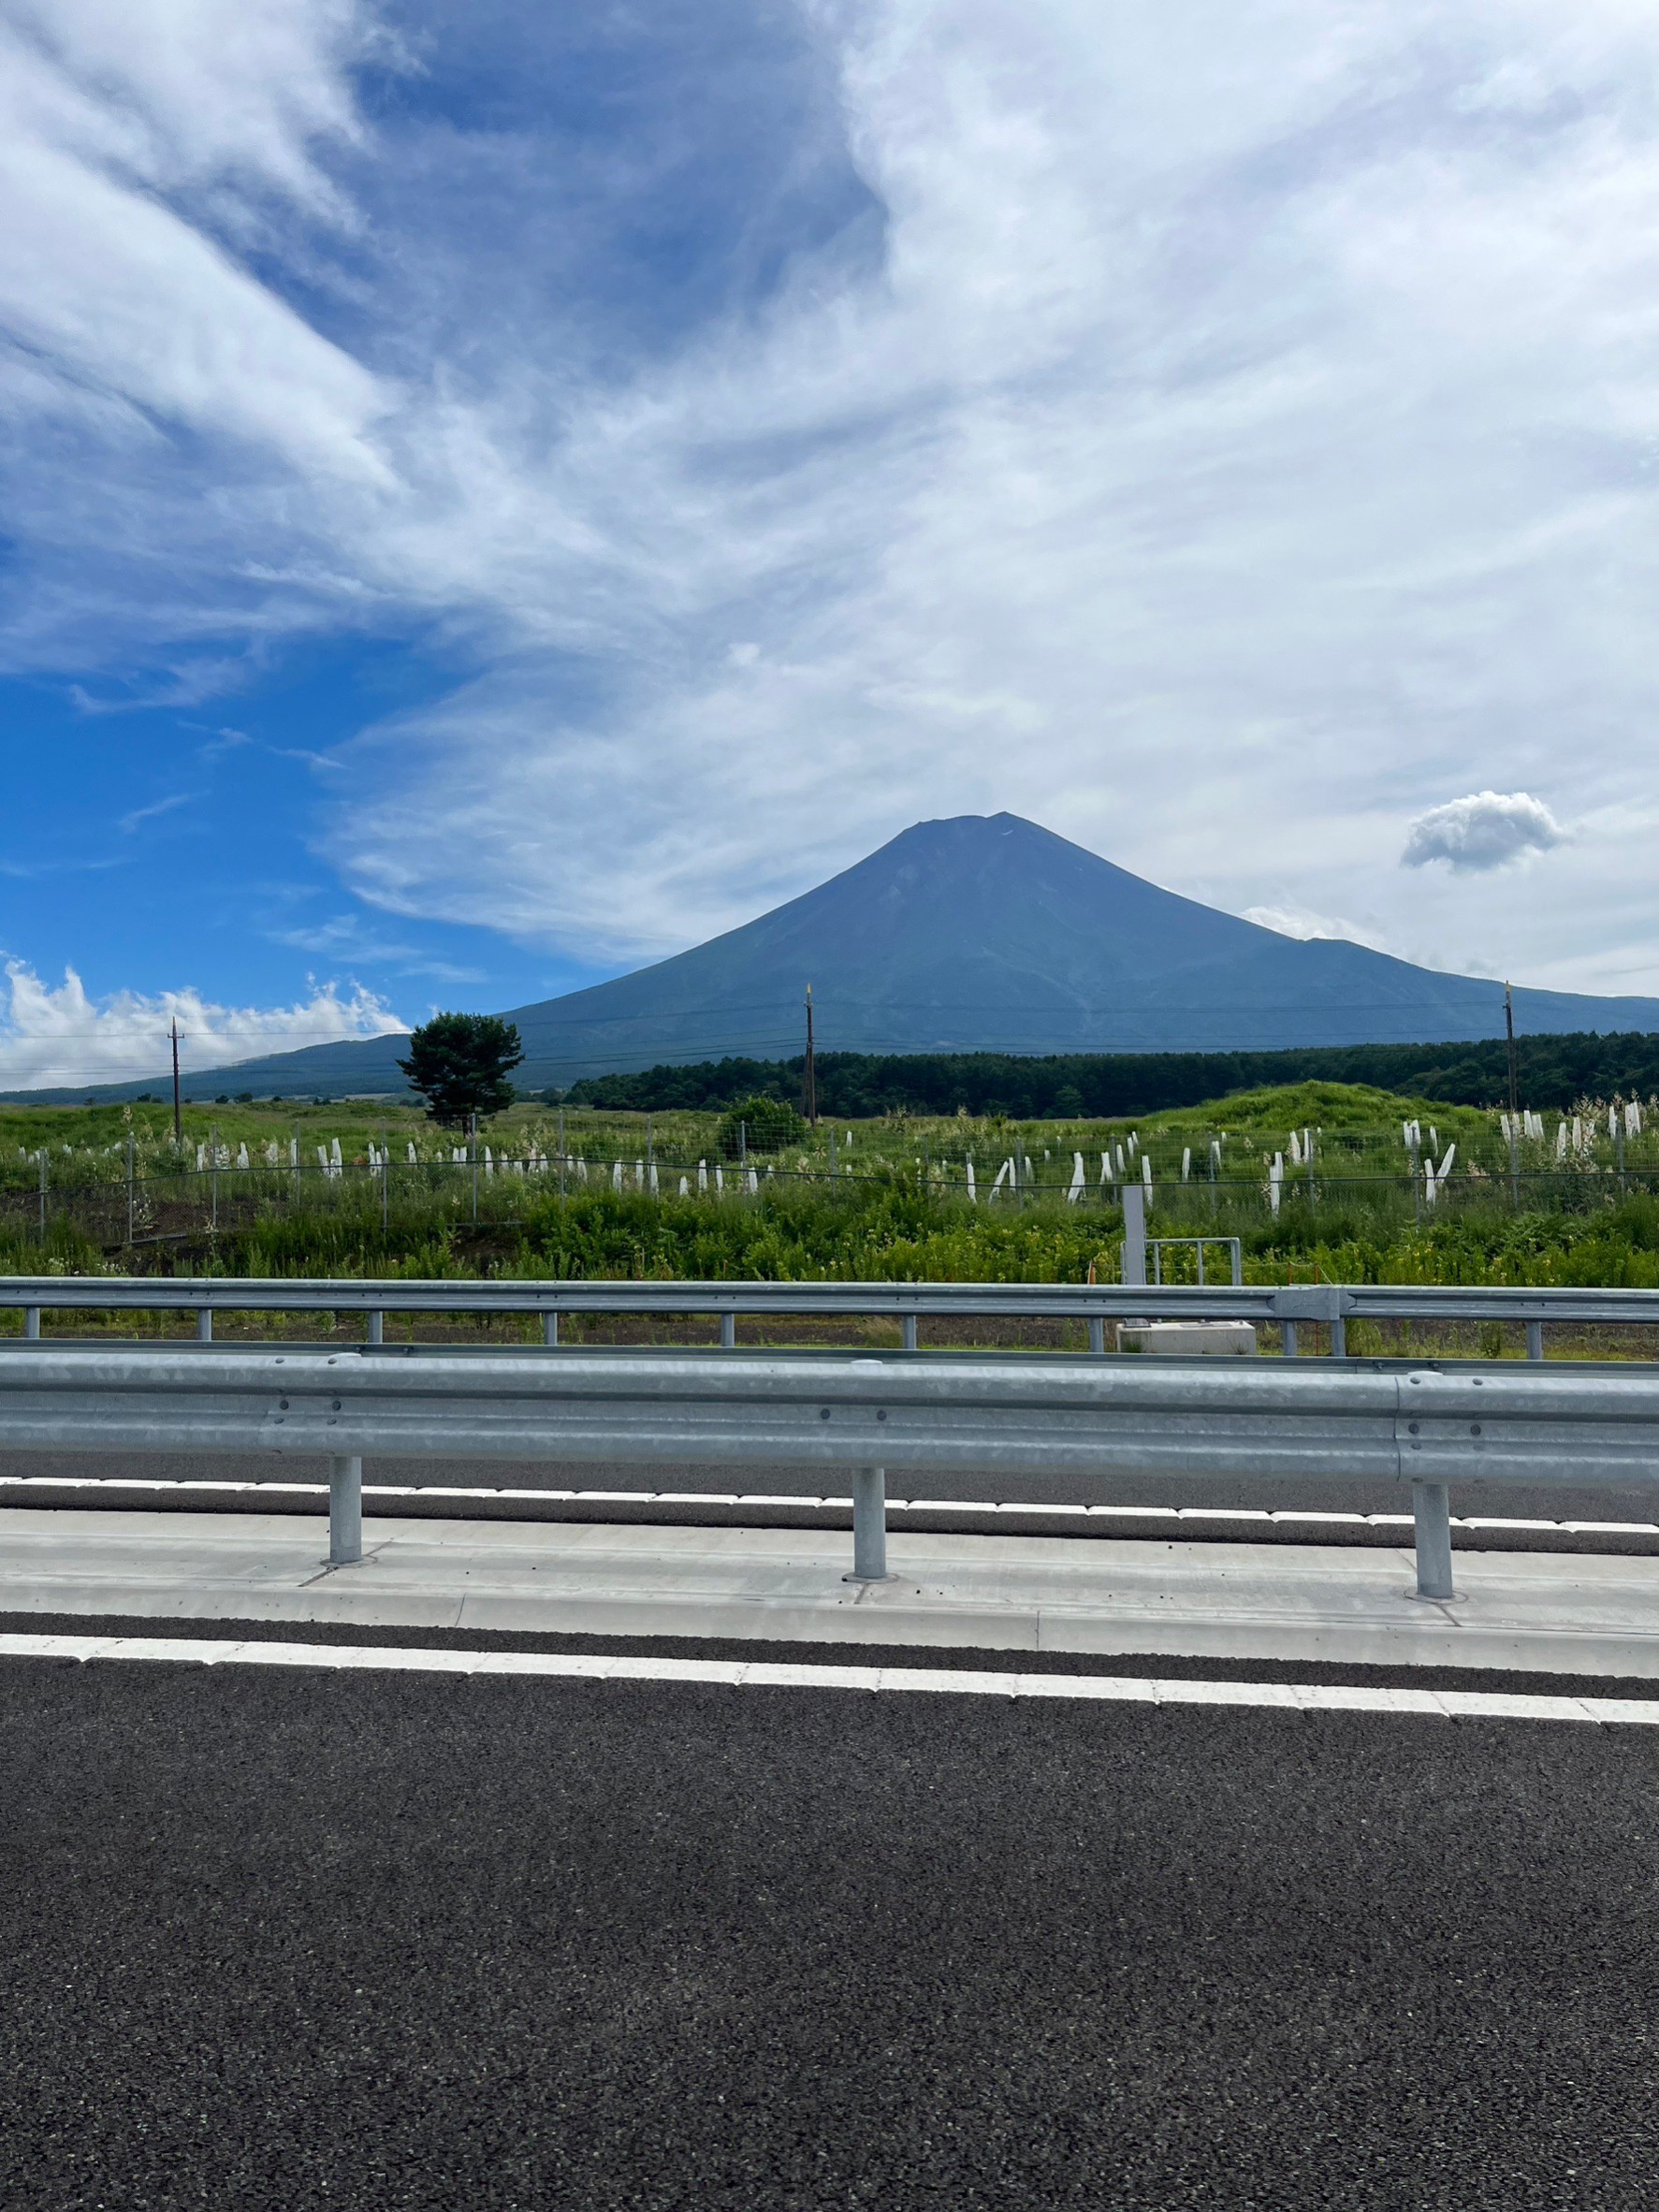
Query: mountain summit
981	934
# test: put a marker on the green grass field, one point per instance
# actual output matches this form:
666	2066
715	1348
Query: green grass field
896	1206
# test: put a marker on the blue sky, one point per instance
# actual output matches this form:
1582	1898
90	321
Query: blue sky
491	496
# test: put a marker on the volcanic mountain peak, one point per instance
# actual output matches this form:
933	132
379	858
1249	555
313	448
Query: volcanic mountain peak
978	933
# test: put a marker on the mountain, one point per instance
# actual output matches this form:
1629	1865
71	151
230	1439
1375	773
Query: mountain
977	934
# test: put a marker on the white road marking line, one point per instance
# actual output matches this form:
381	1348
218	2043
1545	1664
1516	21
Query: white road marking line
730	1498
740	1674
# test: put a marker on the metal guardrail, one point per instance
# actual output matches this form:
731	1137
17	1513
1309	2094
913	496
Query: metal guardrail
1234	1247
1552	1428
1287	1306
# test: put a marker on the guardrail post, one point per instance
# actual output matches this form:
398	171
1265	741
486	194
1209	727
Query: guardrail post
31	1320
1287	1339
1096	1334
869	1525
1430	1511
1535	1340
345	1511
1339	1337
728	1333
908	1323
377	1329
549	1328
204	1325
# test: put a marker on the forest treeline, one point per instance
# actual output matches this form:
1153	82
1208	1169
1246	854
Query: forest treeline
1555	1072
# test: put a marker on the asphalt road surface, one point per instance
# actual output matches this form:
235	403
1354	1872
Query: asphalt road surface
308	1940
508	1476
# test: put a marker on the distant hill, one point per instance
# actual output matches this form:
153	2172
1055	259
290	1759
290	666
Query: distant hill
980	934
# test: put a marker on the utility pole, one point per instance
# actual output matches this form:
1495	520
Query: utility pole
809	1075
1509	1033
178	1132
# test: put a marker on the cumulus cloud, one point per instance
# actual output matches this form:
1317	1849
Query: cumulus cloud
58	1036
1485	830
1290	919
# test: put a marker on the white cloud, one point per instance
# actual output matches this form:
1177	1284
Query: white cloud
141	815
50	1037
1485	830
1213	453
345	937
1290	919
1239	422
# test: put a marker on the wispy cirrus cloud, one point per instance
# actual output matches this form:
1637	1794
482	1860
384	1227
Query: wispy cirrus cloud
171	805
347	938
1205	431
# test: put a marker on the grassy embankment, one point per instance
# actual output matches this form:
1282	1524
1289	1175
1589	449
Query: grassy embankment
898	1209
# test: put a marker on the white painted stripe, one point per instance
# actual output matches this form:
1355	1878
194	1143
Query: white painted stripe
731	1498
767	1674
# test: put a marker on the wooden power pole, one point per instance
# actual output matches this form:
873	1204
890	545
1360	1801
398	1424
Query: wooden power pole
178	1131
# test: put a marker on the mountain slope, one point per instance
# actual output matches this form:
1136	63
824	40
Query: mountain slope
980	934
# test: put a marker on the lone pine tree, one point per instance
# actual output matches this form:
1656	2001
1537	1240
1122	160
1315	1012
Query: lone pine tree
460	1064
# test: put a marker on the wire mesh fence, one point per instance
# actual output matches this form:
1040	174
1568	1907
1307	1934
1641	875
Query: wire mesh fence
128	1202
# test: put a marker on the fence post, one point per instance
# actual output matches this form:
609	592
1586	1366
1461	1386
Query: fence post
129	1186
43	1194
869	1525
1431	1511
345	1511
1133	1269
554	1339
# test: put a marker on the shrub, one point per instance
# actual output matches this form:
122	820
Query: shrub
758	1125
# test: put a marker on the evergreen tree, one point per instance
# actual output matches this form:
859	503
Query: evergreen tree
460	1064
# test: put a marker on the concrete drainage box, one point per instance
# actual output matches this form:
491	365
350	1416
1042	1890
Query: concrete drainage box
1186	1337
